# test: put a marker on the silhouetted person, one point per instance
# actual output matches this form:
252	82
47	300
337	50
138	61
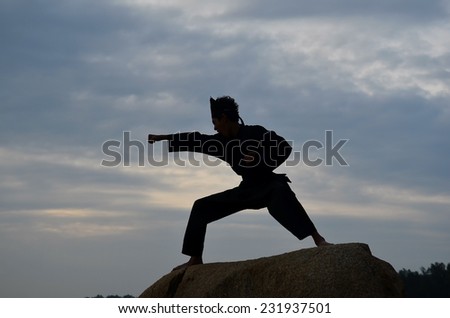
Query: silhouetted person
253	152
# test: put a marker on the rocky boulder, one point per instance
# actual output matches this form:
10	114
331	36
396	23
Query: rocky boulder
343	270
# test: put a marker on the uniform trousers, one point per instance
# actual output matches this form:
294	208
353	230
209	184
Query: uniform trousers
273	194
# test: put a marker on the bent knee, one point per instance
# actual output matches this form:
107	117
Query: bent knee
200	205
282	189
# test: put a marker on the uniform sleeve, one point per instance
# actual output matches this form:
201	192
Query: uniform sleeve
197	142
268	149
275	148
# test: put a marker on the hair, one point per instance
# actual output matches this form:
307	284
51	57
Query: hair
228	106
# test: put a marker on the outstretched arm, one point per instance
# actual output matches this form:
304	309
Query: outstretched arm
191	141
153	138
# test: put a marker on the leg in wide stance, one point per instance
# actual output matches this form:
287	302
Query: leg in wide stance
284	207
276	196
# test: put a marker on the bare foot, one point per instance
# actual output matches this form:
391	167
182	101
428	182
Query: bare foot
320	240
323	243
194	260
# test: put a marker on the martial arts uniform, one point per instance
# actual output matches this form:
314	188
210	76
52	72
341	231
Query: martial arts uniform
260	186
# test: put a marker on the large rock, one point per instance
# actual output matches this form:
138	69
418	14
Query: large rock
344	270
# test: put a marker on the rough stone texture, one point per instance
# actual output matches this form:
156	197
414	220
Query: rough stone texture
344	270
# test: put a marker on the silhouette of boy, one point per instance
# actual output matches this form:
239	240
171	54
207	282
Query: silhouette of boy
253	152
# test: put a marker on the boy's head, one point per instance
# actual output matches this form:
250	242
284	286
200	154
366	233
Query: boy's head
224	105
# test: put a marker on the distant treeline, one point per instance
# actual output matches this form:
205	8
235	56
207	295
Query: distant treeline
433	282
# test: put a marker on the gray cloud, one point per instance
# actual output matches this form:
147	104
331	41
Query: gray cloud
76	74
398	9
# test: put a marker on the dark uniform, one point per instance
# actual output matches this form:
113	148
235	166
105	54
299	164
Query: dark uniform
260	186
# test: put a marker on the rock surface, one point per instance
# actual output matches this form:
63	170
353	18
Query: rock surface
343	270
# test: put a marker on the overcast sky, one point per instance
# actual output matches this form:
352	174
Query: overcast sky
75	74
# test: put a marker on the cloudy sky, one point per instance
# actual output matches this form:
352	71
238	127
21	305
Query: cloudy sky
76	74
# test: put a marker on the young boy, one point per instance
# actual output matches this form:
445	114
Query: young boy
253	153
